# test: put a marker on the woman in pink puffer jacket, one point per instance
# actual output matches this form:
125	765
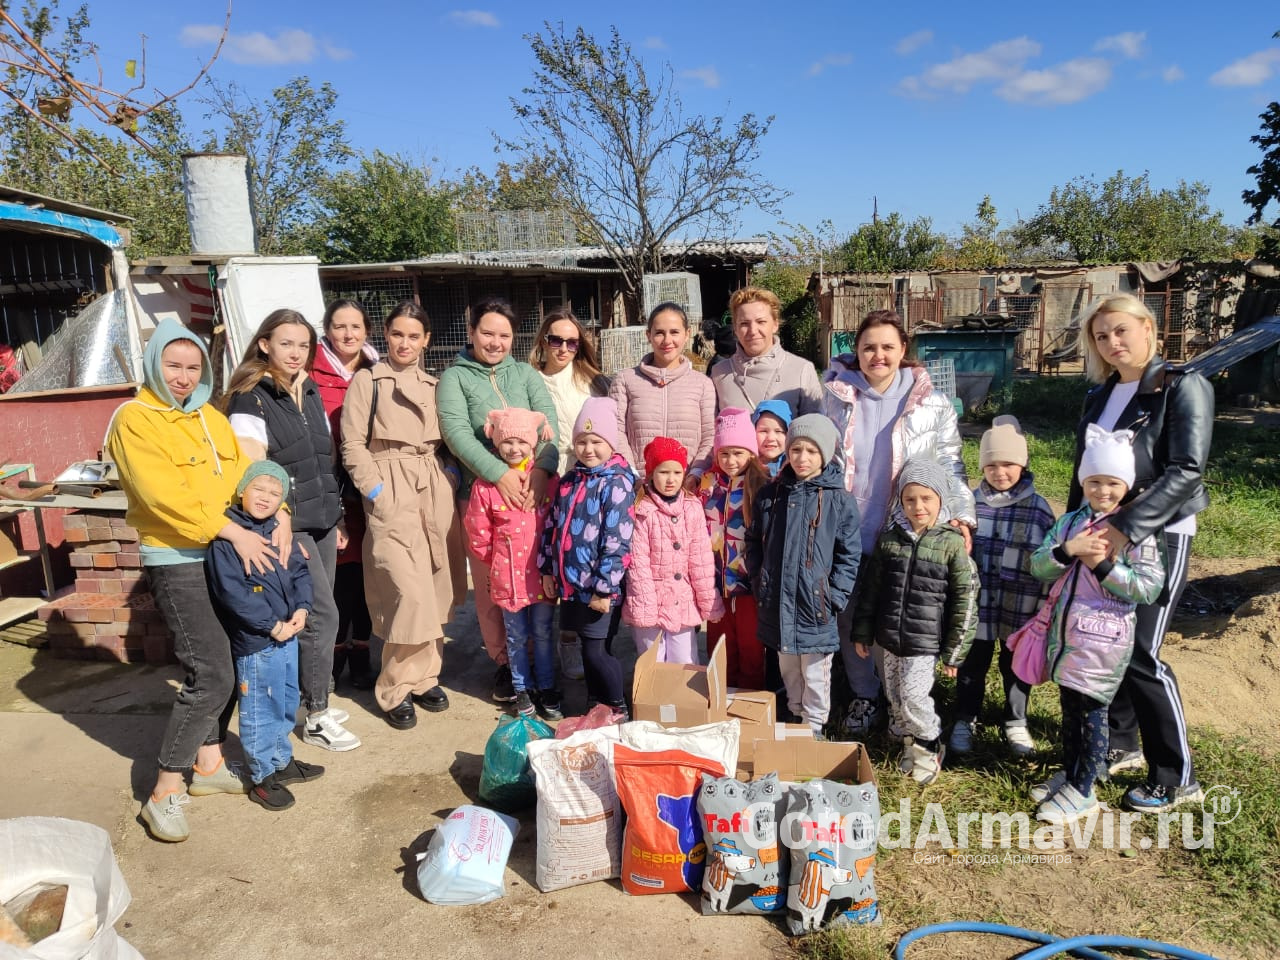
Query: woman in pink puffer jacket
663	396
671	583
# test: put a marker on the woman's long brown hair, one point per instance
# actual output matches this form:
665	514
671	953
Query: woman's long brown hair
254	365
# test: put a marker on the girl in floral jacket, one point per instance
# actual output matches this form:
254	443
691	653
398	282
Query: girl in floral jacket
586	547
671	585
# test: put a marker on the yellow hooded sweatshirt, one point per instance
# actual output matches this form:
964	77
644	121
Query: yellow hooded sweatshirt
179	463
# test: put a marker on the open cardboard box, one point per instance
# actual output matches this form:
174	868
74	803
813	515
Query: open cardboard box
796	759
678	694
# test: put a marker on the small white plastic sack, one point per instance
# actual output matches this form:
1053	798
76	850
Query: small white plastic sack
53	850
465	860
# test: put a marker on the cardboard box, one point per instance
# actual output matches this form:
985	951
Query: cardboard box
677	694
797	759
756	712
779	731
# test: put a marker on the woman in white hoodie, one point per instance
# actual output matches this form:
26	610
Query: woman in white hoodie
564	352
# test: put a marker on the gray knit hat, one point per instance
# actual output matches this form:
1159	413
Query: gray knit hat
817	429
264	468
926	472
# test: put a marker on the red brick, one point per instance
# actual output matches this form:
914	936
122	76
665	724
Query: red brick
74	521
75	614
130	559
77	631
99	530
104	561
71	535
107	586
102	546
88	585
81	561
158	649
121	530
100	615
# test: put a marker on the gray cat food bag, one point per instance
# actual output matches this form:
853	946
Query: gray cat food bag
746	866
831	829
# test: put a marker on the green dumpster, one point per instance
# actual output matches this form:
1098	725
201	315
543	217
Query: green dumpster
983	358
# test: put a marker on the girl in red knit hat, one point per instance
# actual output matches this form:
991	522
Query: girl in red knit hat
671	583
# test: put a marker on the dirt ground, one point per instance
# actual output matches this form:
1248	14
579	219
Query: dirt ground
335	875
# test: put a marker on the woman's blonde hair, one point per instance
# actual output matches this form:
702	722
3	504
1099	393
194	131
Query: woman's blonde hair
1096	368
254	365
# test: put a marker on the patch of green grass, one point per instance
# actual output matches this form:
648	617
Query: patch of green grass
1243	474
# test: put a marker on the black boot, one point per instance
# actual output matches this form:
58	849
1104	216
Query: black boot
363	676
340	654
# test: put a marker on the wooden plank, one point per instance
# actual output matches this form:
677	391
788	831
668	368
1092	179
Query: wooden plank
13	609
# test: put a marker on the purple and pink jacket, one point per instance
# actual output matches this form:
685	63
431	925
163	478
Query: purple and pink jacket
586	539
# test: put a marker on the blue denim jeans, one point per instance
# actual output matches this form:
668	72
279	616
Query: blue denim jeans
531	623
267	687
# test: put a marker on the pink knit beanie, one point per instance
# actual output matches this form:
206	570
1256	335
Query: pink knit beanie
528	425
599	415
735	429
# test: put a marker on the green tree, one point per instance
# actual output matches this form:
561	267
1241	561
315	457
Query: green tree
634	169
1266	172
294	144
387	209
981	244
891	243
1123	219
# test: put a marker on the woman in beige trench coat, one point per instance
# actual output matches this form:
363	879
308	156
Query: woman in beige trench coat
392	448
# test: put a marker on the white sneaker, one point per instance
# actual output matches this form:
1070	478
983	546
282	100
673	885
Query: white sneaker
925	764
905	762
571	657
961	736
1043	791
165	817
1066	806
321	730
336	714
1018	737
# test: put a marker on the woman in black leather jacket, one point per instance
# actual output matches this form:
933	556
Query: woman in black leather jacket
1171	415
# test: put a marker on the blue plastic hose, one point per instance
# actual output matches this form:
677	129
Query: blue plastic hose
1053	946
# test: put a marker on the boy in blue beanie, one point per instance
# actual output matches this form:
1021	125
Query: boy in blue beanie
262	613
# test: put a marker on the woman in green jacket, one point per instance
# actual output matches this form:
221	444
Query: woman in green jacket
484	377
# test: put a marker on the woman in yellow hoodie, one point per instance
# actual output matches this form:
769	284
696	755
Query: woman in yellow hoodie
179	464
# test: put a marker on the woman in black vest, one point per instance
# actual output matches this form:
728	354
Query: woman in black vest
276	412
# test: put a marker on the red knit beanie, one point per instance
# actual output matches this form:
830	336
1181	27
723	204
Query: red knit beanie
660	450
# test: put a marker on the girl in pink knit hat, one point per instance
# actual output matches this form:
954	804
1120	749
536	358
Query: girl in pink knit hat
671	584
506	540
728	492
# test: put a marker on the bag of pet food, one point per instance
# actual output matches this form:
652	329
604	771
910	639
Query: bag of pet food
715	741
579	816
746	863
467	857
506	782
831	829
662	848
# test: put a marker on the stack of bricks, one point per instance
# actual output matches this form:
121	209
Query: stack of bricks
110	615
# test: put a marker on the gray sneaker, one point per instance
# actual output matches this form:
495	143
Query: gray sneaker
961	741
227	778
165	818
321	730
1119	760
1043	791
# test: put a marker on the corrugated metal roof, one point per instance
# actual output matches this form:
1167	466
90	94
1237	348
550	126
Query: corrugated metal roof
431	265
1239	346
743	247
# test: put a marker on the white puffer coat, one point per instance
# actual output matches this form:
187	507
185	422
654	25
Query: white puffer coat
679	403
926	428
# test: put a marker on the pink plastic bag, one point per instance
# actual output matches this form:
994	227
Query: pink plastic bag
601	715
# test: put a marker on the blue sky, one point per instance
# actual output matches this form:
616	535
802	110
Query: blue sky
924	106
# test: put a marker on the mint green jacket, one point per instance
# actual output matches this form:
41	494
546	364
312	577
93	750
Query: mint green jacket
468	390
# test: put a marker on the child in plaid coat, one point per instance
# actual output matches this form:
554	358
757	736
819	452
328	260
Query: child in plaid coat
1012	522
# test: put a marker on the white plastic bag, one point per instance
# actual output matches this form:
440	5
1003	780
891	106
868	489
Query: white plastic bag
53	850
579	815
465	860
714	741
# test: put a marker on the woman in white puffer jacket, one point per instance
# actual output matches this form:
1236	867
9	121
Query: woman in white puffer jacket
887	412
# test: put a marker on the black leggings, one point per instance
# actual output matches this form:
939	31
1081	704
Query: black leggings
596	631
1084	739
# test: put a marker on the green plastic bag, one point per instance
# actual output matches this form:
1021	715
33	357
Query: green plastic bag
506	781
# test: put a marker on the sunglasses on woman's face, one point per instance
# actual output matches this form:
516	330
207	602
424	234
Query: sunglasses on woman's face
555	343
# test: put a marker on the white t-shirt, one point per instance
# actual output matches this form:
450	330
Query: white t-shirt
1121	394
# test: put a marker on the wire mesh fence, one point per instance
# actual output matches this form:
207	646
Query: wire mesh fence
621	348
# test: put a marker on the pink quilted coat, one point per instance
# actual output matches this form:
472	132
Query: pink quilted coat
671	582
679	403
507	540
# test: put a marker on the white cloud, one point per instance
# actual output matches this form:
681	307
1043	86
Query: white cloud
707	76
830	60
1248	71
1172	74
287	46
1068	82
655	43
474	18
1000	61
913	42
1130	44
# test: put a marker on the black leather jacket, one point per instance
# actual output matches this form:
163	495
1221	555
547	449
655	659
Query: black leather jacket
1172	419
